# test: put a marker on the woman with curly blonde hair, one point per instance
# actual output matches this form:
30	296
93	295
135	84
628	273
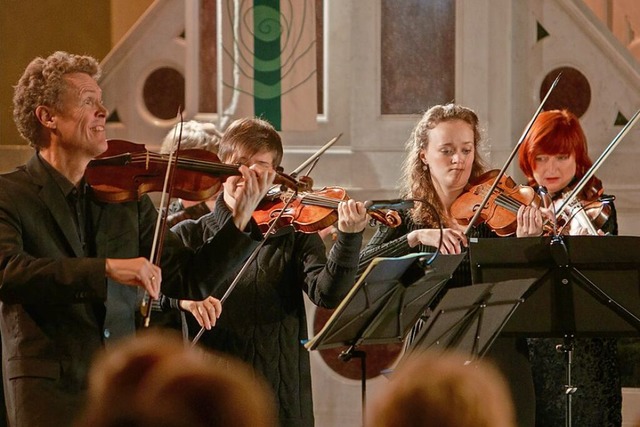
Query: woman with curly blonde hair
442	160
417	181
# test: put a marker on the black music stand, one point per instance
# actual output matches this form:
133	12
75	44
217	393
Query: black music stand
469	319
384	304
585	286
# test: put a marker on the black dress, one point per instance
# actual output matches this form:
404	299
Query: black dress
598	399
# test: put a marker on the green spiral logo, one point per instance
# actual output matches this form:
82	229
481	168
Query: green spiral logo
272	27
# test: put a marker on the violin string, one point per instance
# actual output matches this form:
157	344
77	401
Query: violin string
508	203
322	201
203	165
505	201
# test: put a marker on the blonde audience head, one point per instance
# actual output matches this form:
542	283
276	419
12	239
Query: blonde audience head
155	380
443	390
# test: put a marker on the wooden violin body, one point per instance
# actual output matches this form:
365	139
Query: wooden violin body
584	214
309	212
127	170
500	211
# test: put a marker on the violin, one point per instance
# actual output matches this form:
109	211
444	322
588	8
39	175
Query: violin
500	211
127	170
584	213
311	211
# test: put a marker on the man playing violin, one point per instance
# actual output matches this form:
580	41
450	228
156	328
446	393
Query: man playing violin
71	267
442	159
555	155
264	316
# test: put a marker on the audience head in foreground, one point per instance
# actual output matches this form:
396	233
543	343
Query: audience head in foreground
154	380
443	390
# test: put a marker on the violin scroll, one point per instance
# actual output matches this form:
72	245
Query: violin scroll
389	218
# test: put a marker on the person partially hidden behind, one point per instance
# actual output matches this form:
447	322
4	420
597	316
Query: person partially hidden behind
71	266
154	380
442	389
193	135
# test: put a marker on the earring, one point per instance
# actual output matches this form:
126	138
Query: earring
425	167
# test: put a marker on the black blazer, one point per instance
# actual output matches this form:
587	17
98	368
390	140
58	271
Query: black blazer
57	306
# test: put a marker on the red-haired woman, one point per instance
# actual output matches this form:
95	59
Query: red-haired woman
555	155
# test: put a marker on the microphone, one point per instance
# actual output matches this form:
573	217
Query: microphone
558	248
606	199
395	204
544	195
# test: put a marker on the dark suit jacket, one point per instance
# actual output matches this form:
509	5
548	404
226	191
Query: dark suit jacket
58	308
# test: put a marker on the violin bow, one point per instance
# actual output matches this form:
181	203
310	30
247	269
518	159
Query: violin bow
314	156
596	165
248	262
161	221
475	217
